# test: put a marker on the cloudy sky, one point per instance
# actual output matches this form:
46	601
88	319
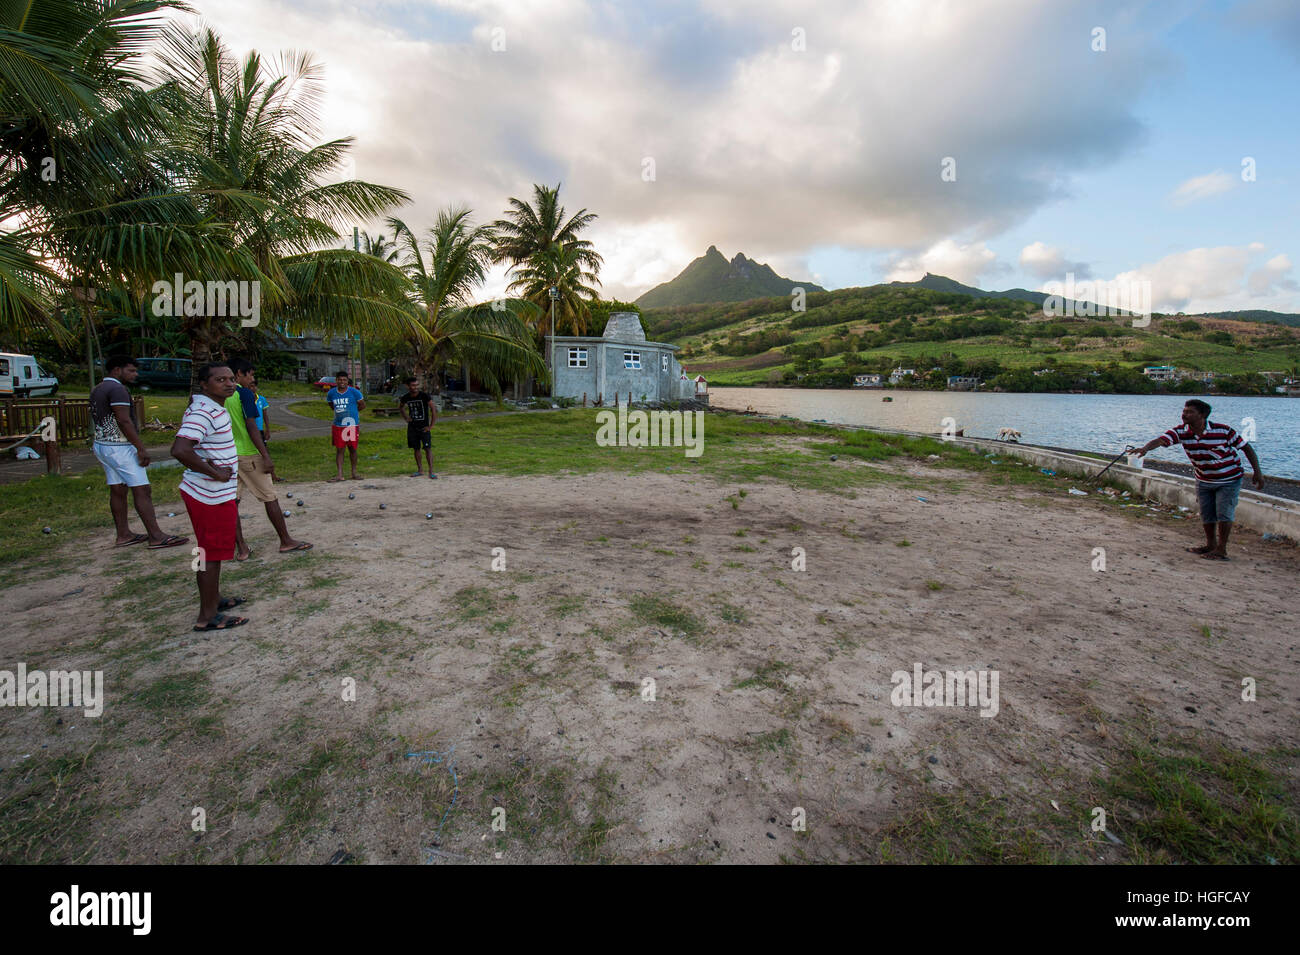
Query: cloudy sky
999	142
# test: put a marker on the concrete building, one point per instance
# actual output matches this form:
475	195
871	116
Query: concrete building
962	383
1161	372
618	362
899	373
867	381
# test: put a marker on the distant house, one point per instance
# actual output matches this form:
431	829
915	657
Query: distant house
867	381
899	373
1161	372
317	355
618	362
963	383
1042	371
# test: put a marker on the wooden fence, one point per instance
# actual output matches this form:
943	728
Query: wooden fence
19	416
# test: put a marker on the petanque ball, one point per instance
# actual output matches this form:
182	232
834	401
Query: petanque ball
290	494
428	517
288	513
835	457
351	496
383	507
50	530
300	503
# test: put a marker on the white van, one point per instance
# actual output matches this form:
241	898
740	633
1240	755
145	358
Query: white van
22	377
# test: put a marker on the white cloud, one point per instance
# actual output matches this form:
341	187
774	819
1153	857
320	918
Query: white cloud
758	147
1202	187
947	257
1048	262
1209	279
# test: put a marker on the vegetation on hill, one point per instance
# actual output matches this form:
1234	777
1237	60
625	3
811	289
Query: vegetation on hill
1007	343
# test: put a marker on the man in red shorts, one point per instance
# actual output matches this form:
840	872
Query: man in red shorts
206	446
348	403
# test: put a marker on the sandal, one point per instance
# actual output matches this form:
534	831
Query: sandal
229	603
221	622
1211	555
170	541
135	539
302	545
1199	550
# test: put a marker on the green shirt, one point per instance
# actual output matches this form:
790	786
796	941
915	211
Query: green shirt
242	405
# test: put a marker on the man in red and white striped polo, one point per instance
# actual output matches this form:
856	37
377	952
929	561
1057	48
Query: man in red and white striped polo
206	446
1212	449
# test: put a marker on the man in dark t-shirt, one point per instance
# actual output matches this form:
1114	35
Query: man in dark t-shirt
122	454
419	414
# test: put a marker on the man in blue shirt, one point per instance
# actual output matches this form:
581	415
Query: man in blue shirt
348	403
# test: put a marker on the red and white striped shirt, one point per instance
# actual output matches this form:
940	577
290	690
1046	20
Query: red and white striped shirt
1213	452
208	424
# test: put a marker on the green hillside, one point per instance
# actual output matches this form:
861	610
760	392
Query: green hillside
711	278
1001	340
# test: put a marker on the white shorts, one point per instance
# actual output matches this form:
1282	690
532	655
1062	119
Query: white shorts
120	464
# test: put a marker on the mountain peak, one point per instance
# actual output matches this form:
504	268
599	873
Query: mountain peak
711	278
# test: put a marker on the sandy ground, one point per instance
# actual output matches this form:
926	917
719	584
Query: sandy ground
772	695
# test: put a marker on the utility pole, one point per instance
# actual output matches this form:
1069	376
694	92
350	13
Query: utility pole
555	294
356	245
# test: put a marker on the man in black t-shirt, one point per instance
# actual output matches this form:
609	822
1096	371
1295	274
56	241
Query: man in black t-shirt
419	414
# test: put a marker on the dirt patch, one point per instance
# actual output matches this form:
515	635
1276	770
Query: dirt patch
648	675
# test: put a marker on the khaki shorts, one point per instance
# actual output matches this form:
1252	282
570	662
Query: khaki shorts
255	478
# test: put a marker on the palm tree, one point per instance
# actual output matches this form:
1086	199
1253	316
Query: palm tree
242	136
561	267
78	168
380	248
491	339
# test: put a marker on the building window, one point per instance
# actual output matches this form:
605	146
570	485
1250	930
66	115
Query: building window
577	358
632	359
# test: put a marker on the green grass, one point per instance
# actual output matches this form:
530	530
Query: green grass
322	410
1179	801
653	609
737	450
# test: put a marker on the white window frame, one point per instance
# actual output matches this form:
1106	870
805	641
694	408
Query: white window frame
577	358
632	360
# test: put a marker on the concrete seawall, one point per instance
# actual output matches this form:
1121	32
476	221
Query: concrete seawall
1264	513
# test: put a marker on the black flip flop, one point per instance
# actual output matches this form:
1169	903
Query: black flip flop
135	539
302	546
221	622
169	541
229	603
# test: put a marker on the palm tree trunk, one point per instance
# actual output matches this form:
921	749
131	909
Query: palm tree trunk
204	341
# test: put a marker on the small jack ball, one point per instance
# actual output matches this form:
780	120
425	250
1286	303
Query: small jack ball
351	496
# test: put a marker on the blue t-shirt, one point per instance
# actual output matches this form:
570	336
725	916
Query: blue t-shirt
346	411
262	404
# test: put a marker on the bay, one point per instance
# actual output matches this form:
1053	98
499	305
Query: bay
1100	423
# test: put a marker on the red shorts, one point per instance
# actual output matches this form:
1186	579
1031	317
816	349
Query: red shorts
214	527
338	434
